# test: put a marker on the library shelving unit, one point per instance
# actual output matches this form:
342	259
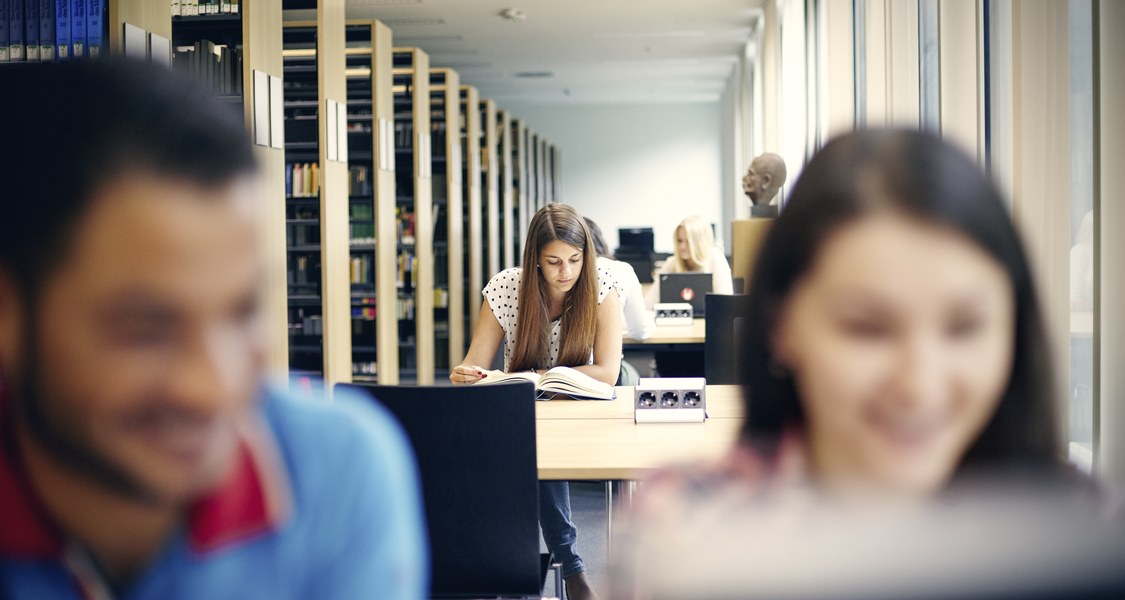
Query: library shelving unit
508	215
520	185
151	16
316	203
490	186
556	174
252	37
540	175
374	225
414	206
468	135
448	262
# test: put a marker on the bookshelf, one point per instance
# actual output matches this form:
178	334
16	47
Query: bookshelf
152	16
539	176
490	184
414	206
316	206
556	174
474	242
448	207
520	186
373	221
255	33
508	215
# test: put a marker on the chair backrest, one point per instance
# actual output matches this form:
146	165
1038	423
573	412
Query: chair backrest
475	447
723	332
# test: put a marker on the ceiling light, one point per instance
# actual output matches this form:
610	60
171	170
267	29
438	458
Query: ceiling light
535	74
513	14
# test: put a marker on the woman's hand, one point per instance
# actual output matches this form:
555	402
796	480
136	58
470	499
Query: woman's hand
467	374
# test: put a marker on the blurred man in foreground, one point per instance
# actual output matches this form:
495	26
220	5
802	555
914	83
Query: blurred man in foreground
141	455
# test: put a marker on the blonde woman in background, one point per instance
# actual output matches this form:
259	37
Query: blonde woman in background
695	253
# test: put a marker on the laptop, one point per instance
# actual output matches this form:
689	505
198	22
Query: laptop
686	287
475	447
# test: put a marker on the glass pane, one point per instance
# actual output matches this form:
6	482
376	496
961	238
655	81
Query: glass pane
1082	401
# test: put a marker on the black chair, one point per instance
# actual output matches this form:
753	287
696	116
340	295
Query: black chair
724	331
475	447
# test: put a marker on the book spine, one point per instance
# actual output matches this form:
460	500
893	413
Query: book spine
3	30
175	8
62	29
31	30
77	28
15	30
94	27
46	29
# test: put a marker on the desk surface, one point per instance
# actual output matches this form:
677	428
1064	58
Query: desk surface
723	402
588	439
675	334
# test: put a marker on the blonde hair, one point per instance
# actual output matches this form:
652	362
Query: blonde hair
701	243
580	307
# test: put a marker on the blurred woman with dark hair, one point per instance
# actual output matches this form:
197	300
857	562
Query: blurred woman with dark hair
894	350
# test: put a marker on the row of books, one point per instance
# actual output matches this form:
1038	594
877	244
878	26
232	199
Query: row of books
217	66
302	180
361	271
193	8
37	30
359	182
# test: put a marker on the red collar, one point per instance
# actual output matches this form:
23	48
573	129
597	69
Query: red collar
254	498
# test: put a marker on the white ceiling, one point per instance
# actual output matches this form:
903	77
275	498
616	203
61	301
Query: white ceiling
586	51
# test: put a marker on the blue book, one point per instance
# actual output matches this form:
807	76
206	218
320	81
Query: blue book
77	28
46	29
3	30
31	30
62	28
15	30
94	27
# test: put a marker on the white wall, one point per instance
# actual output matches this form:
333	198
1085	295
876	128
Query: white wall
639	165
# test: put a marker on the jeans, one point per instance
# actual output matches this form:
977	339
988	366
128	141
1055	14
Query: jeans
559	532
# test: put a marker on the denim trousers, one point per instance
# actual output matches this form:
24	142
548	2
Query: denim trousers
559	532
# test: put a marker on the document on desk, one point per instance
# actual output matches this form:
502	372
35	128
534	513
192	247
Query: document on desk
557	383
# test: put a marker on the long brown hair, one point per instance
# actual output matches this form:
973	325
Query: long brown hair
580	307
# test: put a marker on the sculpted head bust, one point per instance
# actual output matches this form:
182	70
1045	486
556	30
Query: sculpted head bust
764	177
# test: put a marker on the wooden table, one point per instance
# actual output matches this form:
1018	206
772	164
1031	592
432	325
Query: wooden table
673	335
591	439
598	440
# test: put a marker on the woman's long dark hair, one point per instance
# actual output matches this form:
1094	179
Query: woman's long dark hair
920	176
580	308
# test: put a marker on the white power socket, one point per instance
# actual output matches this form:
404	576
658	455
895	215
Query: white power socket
670	400
673	313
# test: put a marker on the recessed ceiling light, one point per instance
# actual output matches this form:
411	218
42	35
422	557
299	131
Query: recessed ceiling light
513	14
534	74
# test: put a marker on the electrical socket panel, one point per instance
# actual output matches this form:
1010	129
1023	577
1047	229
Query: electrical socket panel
670	400
673	313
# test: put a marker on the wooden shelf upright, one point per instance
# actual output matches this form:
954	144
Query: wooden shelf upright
315	121
448	234
472	216
490	184
414	197
255	33
375	224
508	199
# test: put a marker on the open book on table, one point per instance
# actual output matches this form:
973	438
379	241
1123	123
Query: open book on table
562	382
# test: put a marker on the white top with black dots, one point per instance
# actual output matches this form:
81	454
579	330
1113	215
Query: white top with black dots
502	293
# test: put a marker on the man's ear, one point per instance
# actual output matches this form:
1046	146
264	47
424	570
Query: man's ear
11	322
767	179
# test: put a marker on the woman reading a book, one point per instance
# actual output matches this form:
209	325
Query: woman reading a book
556	309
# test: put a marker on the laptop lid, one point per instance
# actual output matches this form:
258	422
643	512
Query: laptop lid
475	447
686	287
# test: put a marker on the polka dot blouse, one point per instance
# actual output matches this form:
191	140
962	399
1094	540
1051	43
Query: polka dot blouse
502	293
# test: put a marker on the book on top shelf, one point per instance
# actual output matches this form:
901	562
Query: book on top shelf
559	382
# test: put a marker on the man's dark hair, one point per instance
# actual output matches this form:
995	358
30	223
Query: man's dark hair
70	128
922	177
